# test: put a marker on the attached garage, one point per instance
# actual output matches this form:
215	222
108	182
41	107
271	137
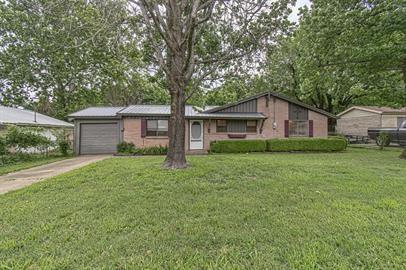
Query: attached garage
98	138
98	130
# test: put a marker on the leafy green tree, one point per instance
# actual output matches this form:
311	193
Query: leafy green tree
343	53
194	40
60	56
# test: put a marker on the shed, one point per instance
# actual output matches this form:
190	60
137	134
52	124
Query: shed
357	119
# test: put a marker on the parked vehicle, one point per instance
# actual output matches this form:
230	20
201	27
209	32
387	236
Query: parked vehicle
396	135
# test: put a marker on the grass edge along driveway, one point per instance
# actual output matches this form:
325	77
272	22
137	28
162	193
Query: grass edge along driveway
256	211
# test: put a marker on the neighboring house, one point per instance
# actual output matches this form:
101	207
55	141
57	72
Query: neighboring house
263	116
356	120
27	118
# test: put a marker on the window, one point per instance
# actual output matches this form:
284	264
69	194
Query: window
236	126
157	127
221	126
400	120
298	128
252	126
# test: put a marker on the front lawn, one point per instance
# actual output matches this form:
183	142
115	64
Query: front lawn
290	211
29	163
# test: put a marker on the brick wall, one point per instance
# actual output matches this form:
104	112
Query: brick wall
320	124
132	133
358	125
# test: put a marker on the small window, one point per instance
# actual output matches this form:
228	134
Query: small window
298	128
157	127
252	126
221	126
401	120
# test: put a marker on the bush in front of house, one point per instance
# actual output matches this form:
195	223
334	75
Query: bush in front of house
152	150
238	146
383	140
126	148
62	141
24	138
307	144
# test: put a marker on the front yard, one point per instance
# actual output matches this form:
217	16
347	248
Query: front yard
302	211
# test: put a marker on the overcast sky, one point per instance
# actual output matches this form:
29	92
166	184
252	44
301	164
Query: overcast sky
299	3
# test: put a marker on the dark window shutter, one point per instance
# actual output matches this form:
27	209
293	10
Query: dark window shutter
143	127
286	128
310	128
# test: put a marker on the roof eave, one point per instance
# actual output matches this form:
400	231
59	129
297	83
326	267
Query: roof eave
36	125
72	118
358	108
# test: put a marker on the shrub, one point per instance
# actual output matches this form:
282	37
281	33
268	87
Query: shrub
126	148
153	150
23	138
3	149
62	141
63	147
3	146
383	140
239	146
306	144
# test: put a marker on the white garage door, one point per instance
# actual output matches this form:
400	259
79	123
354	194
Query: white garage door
99	138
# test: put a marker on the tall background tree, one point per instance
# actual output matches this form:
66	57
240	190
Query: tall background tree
343	53
59	56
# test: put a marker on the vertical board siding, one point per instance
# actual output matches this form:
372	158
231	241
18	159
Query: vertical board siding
143	127
297	112
248	106
311	128
286	128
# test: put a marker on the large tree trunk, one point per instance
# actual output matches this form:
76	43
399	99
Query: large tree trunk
176	159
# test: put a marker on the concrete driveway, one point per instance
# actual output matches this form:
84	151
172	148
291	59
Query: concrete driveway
23	178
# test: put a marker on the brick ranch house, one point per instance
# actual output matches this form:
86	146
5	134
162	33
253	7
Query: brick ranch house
98	130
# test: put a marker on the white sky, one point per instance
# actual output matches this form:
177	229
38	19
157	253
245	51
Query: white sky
300	3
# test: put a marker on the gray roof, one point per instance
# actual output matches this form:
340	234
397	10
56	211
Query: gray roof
190	111
96	112
16	116
146	109
230	115
158	110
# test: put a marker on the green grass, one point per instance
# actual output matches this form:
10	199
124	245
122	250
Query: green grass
26	164
255	211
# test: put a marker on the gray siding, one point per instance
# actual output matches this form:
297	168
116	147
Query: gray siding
248	107
297	112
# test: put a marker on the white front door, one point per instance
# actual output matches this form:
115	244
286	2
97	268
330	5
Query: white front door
196	134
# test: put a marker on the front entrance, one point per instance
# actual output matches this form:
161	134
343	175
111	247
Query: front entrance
196	134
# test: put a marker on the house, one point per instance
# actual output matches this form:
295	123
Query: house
263	116
27	118
357	119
